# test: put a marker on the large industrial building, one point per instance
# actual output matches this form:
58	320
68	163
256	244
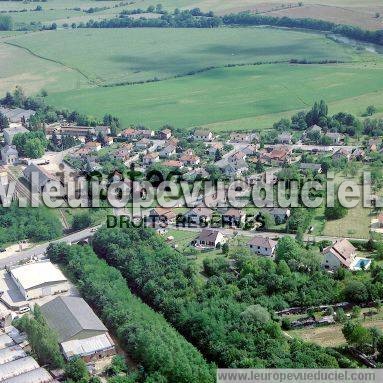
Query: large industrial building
15	365
80	332
40	279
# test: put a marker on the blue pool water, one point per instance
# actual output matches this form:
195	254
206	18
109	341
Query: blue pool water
363	261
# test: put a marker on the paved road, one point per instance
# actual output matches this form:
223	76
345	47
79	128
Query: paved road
41	248
84	234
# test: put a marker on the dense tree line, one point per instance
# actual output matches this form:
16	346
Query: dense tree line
6	23
30	144
181	19
36	224
247	18
46	114
144	334
42	339
207	314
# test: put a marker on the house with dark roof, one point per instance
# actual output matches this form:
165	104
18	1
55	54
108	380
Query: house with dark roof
210	238
262	246
37	173
203	135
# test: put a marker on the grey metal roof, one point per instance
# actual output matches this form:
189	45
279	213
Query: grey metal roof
69	316
17	367
38	375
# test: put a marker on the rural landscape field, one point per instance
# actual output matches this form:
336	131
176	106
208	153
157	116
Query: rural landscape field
190	189
86	68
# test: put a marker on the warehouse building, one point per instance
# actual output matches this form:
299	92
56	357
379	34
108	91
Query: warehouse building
17	367
5	341
80	331
40	279
11	353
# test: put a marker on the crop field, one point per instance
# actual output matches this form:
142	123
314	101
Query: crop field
207	77
362	14
129	55
228	94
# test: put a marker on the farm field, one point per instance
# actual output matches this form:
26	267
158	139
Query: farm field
18	67
337	11
228	94
111	56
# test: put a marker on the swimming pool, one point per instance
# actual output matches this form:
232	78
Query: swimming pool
361	263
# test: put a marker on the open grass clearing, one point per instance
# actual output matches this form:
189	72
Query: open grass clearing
110	56
331	336
18	67
230	94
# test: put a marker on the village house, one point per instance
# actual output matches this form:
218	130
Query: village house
94	146
10	132
77	131
314	130
103	129
307	167
234	217
285	138
244	137
280	214
236	169
358	154
236	158
342	153
213	147
277	156
336	138
203	135
173	164
143	144
53	127
42	177
108	140
196	173
341	254
190	160
158	212
251	150
9	155
145	133
129	134
122	153
3	176
200	213
164	134
17	115
150	158
167	151
210	238
263	246
373	144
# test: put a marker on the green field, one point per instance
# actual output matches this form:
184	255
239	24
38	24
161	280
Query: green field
227	94
80	63
110	56
81	69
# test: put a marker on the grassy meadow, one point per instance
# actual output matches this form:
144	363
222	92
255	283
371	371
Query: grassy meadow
89	70
109	56
229	94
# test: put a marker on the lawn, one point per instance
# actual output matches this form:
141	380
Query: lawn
110	56
226	94
331	336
